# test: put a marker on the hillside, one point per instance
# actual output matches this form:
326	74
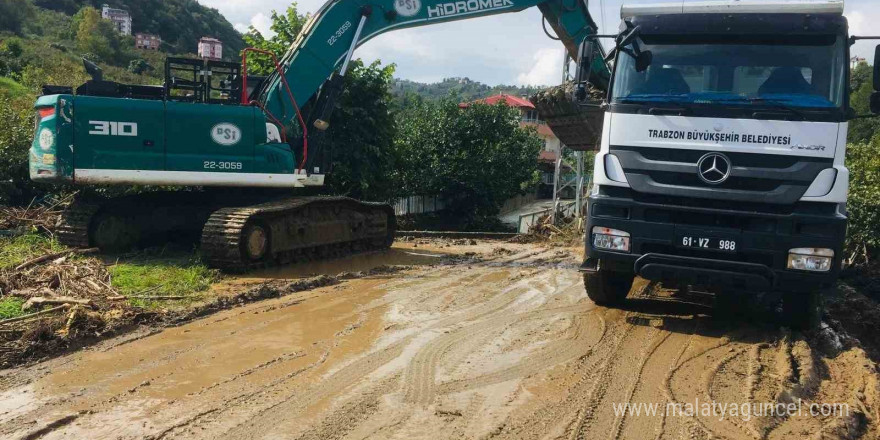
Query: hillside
180	23
463	89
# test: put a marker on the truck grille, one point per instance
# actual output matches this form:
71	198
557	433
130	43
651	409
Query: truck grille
771	178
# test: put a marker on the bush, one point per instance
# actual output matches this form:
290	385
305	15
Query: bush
16	131
476	158
139	67
14	14
864	198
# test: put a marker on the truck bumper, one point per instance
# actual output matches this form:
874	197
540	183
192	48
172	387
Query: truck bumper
763	234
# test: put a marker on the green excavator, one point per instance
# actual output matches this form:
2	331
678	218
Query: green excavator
252	142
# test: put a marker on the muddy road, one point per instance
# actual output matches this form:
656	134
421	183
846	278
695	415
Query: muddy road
501	342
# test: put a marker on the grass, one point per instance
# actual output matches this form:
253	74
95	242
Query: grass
17	250
12	88
145	274
10	307
156	276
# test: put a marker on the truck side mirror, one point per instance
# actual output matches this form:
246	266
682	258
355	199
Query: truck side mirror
584	68
875	103
877	69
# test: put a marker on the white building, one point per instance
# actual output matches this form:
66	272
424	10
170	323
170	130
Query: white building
210	48
120	18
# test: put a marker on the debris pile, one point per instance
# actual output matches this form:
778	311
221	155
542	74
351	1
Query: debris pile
561	96
577	126
65	297
568	231
37	216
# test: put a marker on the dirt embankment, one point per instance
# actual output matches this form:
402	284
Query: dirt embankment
502	346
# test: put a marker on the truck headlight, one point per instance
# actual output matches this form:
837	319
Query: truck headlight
810	259
611	239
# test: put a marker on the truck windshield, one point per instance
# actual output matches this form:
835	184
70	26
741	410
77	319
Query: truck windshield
808	74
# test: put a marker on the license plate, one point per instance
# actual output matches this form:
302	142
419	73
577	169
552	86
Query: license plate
709	243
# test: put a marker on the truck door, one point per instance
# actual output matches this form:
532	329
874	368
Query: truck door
118	134
209	137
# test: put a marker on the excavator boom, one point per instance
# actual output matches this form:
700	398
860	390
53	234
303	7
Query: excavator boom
337	28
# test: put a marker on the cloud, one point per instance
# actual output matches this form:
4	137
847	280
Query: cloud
546	70
499	49
863	19
263	23
260	22
404	43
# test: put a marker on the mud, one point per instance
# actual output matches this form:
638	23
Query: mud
499	343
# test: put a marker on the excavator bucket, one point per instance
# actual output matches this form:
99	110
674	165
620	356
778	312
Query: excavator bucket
576	125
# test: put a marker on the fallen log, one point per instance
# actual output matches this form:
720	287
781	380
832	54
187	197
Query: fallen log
161	297
31	315
149	297
54	256
40	300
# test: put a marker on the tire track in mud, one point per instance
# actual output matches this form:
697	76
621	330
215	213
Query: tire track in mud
657	340
601	382
493	305
497	348
667	376
203	411
578	344
421	374
81	398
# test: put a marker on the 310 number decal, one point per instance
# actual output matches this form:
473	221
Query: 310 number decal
211	165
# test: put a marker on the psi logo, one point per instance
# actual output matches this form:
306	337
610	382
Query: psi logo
113	128
407	8
226	134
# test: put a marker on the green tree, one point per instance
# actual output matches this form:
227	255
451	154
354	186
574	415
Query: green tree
361	135
139	66
286	27
14	14
476	157
10	57
862	130
864	197
16	133
861	74
180	23
98	36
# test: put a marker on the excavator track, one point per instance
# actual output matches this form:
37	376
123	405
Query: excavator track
238	239
73	226
282	229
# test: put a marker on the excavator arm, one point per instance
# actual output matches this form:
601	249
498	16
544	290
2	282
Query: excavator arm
334	31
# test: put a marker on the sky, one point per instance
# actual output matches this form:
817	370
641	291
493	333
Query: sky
502	49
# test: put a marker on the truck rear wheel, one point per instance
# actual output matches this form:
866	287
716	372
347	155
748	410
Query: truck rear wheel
608	288
802	311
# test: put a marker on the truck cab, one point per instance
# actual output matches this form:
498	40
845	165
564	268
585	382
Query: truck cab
721	161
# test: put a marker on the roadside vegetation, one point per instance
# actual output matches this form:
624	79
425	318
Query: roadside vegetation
17	250
151	280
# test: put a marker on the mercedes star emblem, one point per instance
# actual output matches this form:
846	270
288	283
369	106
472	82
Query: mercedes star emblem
713	168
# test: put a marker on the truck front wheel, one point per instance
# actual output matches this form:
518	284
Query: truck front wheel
608	288
802	311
